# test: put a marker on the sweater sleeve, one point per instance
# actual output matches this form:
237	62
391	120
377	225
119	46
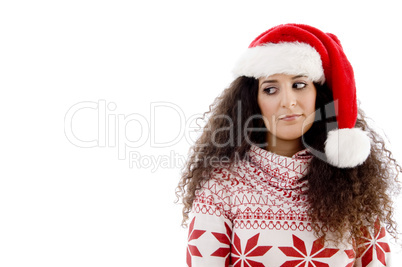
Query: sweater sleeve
373	248
210	229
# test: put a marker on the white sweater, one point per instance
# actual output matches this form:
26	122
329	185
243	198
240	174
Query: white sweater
255	215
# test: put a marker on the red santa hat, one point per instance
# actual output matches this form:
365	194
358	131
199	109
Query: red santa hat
298	49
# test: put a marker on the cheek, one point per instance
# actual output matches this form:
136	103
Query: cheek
309	109
309	102
267	105
267	110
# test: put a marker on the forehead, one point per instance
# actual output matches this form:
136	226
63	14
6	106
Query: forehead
281	77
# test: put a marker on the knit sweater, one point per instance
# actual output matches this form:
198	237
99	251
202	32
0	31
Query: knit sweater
255	214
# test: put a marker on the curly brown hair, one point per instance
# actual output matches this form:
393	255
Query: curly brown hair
342	200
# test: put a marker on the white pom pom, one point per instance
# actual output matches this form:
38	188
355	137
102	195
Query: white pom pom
347	148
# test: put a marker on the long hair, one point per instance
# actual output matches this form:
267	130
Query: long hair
342	200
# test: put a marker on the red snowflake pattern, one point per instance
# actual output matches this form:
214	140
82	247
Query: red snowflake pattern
240	257
351	255
368	243
224	239
299	251
191	249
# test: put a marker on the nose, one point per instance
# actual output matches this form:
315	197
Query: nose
289	98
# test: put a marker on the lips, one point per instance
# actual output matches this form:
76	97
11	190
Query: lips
289	117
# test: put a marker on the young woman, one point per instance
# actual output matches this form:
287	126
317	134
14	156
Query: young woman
287	171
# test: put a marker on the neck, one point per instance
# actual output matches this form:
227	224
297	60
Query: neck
282	147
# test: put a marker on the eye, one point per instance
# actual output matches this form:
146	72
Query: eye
270	90
299	85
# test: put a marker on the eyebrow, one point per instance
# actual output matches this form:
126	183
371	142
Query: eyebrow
274	81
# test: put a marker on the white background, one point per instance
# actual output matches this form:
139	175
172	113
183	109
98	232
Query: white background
64	205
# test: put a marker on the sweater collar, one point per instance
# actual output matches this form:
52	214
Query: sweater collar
282	171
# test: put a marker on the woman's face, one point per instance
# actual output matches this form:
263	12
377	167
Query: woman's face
287	103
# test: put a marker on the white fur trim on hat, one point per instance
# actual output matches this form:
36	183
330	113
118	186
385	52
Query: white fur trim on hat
286	58
347	148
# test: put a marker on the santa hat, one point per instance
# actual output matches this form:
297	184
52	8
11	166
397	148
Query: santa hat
298	49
